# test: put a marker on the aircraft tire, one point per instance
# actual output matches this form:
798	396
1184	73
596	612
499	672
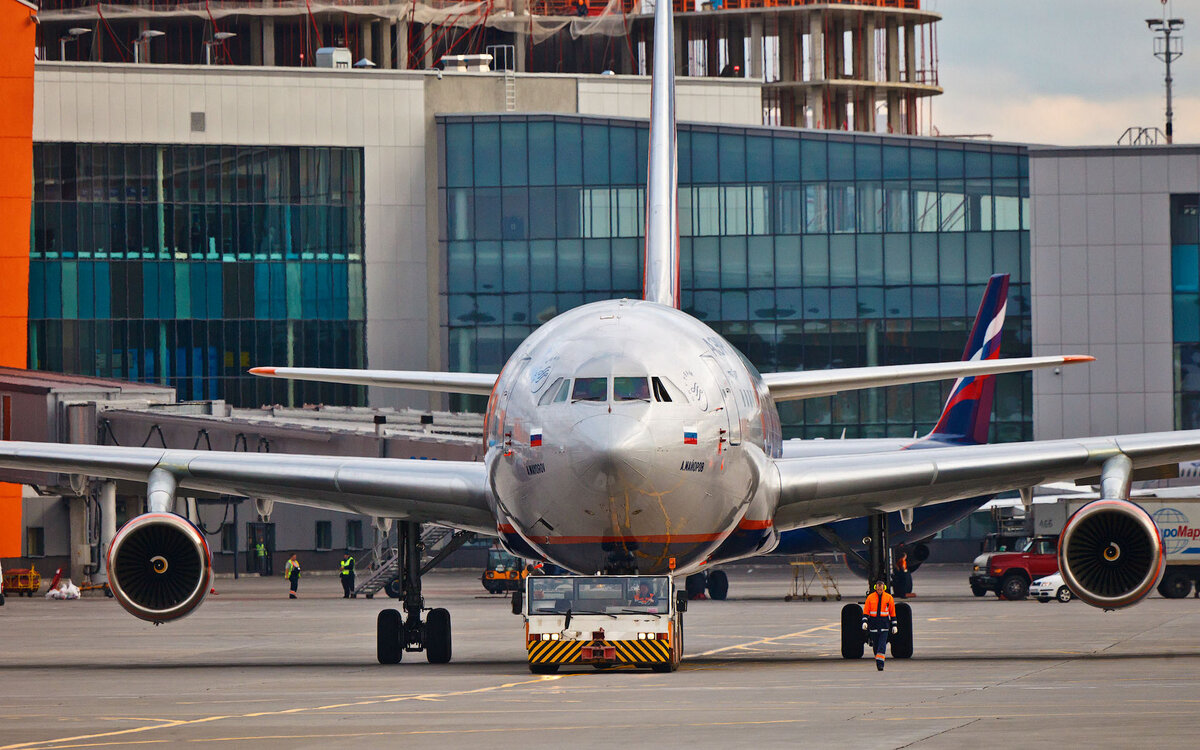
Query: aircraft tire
718	585
543	668
902	640
853	641
392	588
387	637
437	636
695	584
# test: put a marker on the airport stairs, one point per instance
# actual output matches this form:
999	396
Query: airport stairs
383	565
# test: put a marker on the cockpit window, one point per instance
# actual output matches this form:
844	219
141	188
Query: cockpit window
590	389
660	391
631	389
564	390
549	394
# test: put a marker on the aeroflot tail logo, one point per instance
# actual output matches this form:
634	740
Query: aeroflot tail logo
1177	533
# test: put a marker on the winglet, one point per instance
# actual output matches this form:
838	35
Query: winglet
968	411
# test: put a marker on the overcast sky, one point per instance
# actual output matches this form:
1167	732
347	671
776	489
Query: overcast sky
1061	71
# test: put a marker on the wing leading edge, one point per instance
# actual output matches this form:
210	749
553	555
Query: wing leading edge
453	493
813	491
789	386
475	383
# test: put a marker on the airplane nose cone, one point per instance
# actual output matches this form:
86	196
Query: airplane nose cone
611	452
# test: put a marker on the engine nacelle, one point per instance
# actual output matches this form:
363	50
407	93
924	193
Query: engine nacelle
1110	553
159	567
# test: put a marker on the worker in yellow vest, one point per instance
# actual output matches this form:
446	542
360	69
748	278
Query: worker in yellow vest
291	571
346	573
879	619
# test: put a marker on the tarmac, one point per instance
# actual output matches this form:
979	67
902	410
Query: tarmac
251	668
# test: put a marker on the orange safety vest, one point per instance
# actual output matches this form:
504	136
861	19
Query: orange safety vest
880	605
902	564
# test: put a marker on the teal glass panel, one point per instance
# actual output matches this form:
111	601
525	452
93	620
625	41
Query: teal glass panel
950	164
623	145
841	161
922	163
732	157
977	164
870	259
541	153
895	162
924	259
842	261
1185	268
734	266
568	153
868	161
786	161
787	261
704	169
570	265
1185	317
37	291
814	253
897	260
759	162
486	161
706	263
595	155
951	257
813	160
626	265
514	158
760	258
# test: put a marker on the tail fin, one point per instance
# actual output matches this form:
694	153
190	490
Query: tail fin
968	412
661	282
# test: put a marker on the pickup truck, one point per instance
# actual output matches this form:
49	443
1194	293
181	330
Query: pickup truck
1010	573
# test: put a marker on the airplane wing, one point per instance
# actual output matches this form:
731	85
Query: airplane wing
453	493
790	386
475	383
828	488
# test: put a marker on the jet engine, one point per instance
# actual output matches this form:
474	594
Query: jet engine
1110	553
159	567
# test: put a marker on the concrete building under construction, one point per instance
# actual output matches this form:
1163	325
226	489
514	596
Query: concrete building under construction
866	65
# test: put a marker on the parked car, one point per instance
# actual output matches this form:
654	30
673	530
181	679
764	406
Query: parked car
1051	587
1010	573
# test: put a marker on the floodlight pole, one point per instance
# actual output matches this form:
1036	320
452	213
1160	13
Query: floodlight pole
1163	30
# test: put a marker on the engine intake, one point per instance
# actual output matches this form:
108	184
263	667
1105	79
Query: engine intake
1110	553
159	567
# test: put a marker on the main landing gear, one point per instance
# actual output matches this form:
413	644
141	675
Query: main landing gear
854	638
396	634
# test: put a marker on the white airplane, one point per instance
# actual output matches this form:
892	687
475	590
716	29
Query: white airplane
627	436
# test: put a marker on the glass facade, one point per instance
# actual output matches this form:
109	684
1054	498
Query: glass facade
1185	308
186	265
805	249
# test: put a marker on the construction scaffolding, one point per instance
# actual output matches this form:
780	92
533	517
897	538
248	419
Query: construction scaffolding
867	65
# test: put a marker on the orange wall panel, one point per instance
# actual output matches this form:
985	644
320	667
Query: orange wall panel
16	192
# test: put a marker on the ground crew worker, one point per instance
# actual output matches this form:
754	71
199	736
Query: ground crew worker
643	597
347	575
879	618
260	549
291	571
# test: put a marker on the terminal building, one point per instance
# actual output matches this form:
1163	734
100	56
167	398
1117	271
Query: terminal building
191	221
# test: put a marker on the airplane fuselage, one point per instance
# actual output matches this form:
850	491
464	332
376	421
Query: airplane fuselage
627	436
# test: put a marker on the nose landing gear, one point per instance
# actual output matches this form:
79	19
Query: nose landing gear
396	634
878	566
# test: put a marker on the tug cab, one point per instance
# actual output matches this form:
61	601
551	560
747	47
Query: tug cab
603	621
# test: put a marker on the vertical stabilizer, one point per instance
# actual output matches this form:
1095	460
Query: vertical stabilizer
968	412
661	282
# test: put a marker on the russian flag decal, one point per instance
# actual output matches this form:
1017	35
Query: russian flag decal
689	436
535	437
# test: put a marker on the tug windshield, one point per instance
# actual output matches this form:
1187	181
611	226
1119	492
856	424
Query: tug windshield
599	595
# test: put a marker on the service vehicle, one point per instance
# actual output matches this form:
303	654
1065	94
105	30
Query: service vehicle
1051	587
603	621
1010	573
504	572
